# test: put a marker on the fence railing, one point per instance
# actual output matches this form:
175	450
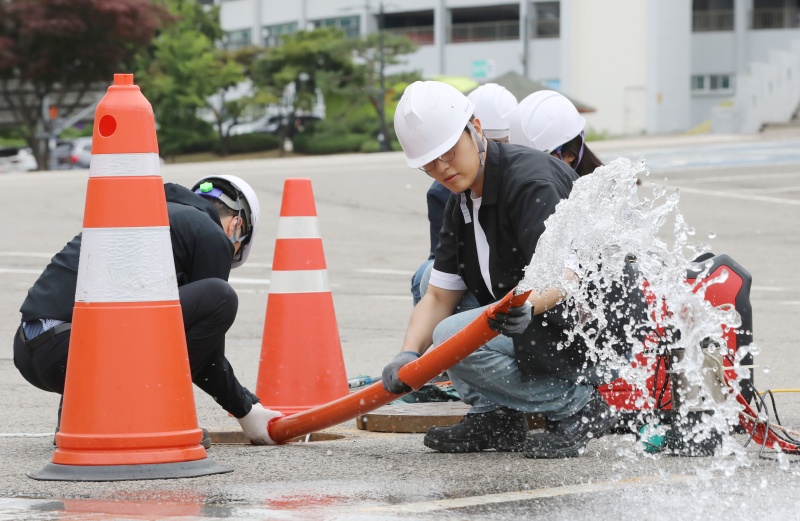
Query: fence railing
712	20
788	18
419	35
484	31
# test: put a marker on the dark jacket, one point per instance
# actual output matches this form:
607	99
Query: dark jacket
200	248
520	191
437	201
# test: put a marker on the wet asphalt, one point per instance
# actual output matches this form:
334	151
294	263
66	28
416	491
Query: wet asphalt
372	218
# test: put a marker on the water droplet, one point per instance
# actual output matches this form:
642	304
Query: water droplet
712	235
584	419
766	369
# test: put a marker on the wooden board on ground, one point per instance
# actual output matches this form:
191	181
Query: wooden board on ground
419	417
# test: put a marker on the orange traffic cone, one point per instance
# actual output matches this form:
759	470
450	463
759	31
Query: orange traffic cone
301	355
128	402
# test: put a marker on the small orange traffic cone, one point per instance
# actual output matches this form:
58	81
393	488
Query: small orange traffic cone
301	362
129	408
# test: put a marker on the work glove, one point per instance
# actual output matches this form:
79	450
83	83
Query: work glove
255	424
514	322
391	382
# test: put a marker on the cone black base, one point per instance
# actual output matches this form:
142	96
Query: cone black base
184	469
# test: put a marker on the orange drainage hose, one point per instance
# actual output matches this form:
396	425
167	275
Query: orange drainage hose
415	374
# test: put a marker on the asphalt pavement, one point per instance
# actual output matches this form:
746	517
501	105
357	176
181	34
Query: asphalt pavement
742	190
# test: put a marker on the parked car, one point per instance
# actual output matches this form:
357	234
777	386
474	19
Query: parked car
17	159
74	154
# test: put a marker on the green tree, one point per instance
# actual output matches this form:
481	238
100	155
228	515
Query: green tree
311	60
62	52
183	72
372	54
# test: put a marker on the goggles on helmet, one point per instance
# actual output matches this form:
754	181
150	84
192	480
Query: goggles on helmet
233	199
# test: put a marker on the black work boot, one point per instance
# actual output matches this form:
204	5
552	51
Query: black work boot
502	429
567	438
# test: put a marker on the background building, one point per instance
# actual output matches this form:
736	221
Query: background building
647	66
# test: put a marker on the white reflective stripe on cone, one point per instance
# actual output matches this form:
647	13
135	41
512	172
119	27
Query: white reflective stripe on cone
299	281
126	265
110	165
298	228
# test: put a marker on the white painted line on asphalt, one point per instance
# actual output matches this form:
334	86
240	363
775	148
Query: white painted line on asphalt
745	177
781	190
26	254
768	288
790	302
746	197
26	434
240	280
379	271
251	265
20	270
525	495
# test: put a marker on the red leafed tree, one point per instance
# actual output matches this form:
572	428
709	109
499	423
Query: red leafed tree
60	52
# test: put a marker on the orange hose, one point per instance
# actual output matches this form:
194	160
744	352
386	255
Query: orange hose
415	374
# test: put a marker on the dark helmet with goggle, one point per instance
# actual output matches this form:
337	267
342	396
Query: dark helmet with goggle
239	196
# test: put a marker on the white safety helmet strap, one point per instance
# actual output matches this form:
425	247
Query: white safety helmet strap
245	203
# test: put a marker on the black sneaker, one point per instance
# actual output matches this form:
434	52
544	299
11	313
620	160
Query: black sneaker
502	429
568	437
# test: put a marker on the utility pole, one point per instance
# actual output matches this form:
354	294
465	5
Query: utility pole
383	137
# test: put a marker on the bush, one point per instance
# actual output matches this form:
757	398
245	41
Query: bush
319	143
255	142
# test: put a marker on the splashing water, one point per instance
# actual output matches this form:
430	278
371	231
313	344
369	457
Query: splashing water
602	224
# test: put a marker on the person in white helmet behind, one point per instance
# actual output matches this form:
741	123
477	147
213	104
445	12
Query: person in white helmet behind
546	120
493	107
489	234
212	230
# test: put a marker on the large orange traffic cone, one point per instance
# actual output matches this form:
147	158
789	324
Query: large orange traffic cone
301	355
129	408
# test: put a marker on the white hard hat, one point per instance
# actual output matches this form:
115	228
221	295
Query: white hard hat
493	107
429	119
239	196
545	120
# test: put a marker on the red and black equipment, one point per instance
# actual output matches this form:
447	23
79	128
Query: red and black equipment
733	291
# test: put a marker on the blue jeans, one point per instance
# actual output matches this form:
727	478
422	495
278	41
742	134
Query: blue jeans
416	279
490	378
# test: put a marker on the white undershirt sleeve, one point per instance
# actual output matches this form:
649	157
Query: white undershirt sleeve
449	281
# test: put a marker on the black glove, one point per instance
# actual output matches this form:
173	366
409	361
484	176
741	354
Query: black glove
514	322
390	380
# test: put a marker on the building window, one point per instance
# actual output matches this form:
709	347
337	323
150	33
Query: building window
712	83
271	34
417	26
776	14
237	39
712	15
351	25
548	20
484	24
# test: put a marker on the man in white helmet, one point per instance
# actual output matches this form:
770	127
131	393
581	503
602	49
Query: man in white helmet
494	105
491	227
212	227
